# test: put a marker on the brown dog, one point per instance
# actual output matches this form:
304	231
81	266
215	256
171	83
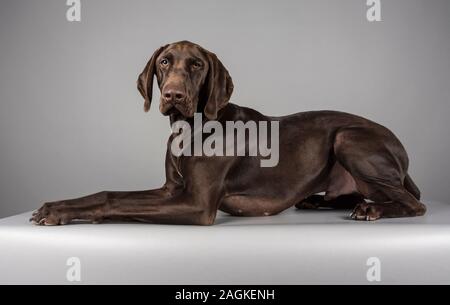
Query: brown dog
347	157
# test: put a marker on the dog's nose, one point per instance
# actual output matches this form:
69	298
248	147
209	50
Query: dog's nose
174	95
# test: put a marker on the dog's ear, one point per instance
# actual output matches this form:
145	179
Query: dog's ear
145	79
219	86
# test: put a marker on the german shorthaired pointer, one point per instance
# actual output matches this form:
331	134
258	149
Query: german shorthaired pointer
359	164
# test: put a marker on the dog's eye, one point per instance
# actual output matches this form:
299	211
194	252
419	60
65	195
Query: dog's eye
197	64
164	62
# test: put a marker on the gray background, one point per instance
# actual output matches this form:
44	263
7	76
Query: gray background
71	120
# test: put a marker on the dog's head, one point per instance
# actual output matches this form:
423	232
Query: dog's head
191	79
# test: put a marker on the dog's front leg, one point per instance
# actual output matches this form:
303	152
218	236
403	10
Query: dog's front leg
179	208
182	209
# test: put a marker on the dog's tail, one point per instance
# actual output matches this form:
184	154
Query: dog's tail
411	187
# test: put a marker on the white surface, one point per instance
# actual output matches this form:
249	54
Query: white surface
291	248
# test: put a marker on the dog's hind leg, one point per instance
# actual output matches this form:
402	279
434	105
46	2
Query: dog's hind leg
402	204
378	163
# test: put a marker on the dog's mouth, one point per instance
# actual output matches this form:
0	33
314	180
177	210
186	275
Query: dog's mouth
171	111
185	109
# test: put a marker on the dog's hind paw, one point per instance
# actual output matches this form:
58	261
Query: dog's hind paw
366	211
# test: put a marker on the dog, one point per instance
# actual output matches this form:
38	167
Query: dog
357	164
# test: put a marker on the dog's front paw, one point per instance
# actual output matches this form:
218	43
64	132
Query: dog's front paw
366	211
52	214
